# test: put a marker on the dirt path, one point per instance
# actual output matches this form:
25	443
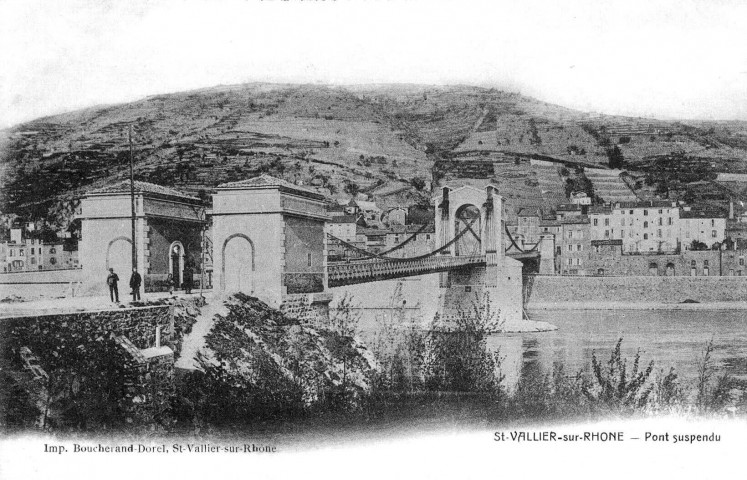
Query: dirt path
196	338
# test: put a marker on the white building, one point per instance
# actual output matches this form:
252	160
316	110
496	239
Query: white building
342	227
702	227
652	226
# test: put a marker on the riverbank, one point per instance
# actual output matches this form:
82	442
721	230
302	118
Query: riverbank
605	305
527	326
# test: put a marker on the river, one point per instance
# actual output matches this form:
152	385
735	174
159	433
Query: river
671	338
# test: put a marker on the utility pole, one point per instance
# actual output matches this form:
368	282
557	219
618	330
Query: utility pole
132	203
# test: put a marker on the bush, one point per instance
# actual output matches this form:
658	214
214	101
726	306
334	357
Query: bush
613	388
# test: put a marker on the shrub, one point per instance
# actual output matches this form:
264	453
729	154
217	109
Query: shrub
613	387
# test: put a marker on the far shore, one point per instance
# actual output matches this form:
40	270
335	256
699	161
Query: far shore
636	306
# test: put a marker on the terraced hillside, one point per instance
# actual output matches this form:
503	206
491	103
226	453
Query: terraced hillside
381	140
610	186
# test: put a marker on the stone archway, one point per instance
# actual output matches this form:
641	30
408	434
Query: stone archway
119	256
237	264
177	255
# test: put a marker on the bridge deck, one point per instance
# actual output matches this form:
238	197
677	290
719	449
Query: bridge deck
364	271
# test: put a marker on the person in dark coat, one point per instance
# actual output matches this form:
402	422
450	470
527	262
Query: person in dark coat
135	282
112	280
188	274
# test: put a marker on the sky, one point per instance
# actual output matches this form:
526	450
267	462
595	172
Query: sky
665	59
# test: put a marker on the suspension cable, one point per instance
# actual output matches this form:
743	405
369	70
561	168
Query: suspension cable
419	257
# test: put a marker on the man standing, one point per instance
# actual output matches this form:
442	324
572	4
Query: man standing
188	274
112	280
135	281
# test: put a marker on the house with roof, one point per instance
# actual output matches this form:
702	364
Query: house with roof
369	211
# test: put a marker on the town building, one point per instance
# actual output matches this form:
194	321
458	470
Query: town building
651	226
702	227
572	251
26	251
370	213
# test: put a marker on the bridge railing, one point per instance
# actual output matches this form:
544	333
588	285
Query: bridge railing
362	271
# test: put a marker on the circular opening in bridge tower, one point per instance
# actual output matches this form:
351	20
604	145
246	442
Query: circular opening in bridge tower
468	228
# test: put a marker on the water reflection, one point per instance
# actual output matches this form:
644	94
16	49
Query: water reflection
669	338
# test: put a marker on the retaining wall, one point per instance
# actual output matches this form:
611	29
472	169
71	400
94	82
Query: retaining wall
560	289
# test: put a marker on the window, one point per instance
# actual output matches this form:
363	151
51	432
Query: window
645	224
645	212
33	260
661	221
579	248
578	261
570	261
631	212
713	222
570	248
32	250
52	251
52	260
622	233
11	253
570	234
606	222
661	211
705	263
645	236
669	221
606	234
596	222
713	233
741	261
658	233
731	272
21	252
308	259
428	237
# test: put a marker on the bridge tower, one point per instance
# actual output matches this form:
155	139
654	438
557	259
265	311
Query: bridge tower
477	215
269	241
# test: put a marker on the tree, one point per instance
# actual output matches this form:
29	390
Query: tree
697	245
352	189
418	183
615	157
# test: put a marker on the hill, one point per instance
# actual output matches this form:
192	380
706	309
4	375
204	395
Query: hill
338	139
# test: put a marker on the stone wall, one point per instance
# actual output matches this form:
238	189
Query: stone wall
148	381
657	289
308	308
102	367
70	329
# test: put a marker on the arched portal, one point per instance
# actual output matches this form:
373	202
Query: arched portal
670	269
467	220
119	257
237	264
176	262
